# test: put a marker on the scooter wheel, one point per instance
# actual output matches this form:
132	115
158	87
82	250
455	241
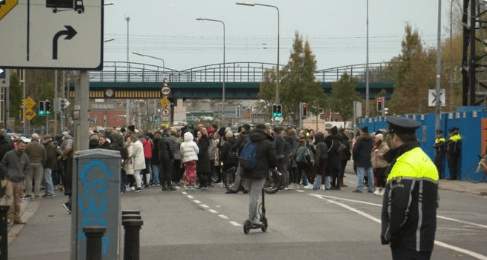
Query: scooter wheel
246	227
264	225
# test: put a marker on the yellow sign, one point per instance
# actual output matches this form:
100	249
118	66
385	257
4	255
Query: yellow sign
7	7
165	102
29	114
29	103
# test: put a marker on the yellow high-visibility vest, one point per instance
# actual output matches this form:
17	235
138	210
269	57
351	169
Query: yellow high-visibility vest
414	164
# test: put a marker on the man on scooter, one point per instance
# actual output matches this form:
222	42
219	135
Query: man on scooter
262	160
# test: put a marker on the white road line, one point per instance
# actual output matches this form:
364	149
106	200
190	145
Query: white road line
379	205
204	206
235	223
190	197
374	219
300	190
213	211
197	201
222	216
185	193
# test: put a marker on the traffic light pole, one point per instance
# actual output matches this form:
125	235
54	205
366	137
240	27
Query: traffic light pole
55	101
81	111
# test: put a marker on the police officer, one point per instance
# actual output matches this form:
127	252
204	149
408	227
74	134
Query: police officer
440	152
411	196
454	152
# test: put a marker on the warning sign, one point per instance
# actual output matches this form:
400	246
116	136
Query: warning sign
6	7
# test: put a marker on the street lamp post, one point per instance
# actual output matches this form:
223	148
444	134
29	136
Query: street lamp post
152	57
278	41
438	72
128	69
224	63
367	89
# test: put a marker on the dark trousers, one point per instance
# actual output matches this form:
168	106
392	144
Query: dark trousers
453	164
203	178
165	173
408	254
440	165
177	172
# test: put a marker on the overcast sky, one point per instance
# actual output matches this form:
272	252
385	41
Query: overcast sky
335	29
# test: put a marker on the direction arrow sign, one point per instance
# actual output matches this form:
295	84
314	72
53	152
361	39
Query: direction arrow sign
7	7
34	35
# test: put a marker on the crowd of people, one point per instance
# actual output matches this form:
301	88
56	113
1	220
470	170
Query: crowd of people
193	158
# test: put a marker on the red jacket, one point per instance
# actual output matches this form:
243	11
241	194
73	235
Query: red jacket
147	148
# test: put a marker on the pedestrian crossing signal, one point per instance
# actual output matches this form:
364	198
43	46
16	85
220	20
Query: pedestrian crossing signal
276	111
44	108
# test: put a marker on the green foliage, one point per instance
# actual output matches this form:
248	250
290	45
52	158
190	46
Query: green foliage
298	83
343	93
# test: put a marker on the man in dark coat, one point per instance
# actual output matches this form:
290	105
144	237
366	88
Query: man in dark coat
52	154
440	152
166	161
266	161
345	156
203	166
334	159
239	144
362	153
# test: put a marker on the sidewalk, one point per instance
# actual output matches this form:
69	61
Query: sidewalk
479	188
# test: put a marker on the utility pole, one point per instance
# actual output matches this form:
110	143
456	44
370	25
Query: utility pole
61	110
367	90
55	102
23	81
438	72
128	68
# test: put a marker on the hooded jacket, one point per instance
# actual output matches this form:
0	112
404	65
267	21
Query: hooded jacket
362	152
265	154
189	149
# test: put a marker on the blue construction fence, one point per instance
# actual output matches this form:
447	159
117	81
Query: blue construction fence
473	129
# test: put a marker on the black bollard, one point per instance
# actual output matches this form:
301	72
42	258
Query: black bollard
131	217
3	233
130	212
132	239
93	242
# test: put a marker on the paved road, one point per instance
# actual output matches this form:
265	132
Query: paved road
303	224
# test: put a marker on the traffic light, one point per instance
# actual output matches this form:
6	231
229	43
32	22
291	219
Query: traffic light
380	104
47	107
276	111
44	108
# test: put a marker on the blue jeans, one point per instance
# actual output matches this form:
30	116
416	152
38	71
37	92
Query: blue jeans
317	183
48	180
361	171
155	174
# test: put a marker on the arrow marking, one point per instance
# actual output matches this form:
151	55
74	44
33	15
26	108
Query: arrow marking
70	32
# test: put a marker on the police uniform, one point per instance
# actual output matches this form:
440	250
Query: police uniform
454	152
410	199
440	152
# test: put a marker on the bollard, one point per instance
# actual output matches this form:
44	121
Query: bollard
131	217
3	233
93	242
130	212
132	239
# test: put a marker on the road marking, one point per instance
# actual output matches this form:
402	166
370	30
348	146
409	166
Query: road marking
185	193
374	219
197	201
300	190
204	206
190	197
235	223
213	211
380	205
223	216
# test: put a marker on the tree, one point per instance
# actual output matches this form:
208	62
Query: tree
343	93
414	75
15	97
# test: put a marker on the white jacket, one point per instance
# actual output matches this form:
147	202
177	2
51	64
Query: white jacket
189	149
136	154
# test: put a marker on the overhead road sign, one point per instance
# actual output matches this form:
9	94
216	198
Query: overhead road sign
60	34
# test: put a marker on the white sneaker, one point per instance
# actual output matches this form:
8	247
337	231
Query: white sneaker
377	192
308	187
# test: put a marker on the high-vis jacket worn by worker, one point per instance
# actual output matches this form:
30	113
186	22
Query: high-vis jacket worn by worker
410	202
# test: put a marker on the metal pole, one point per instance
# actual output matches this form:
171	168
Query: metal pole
81	106
367	90
224	73
61	112
473	54
128	70
55	101
438	72
452	66
3	233
278	47
23	79
94	242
